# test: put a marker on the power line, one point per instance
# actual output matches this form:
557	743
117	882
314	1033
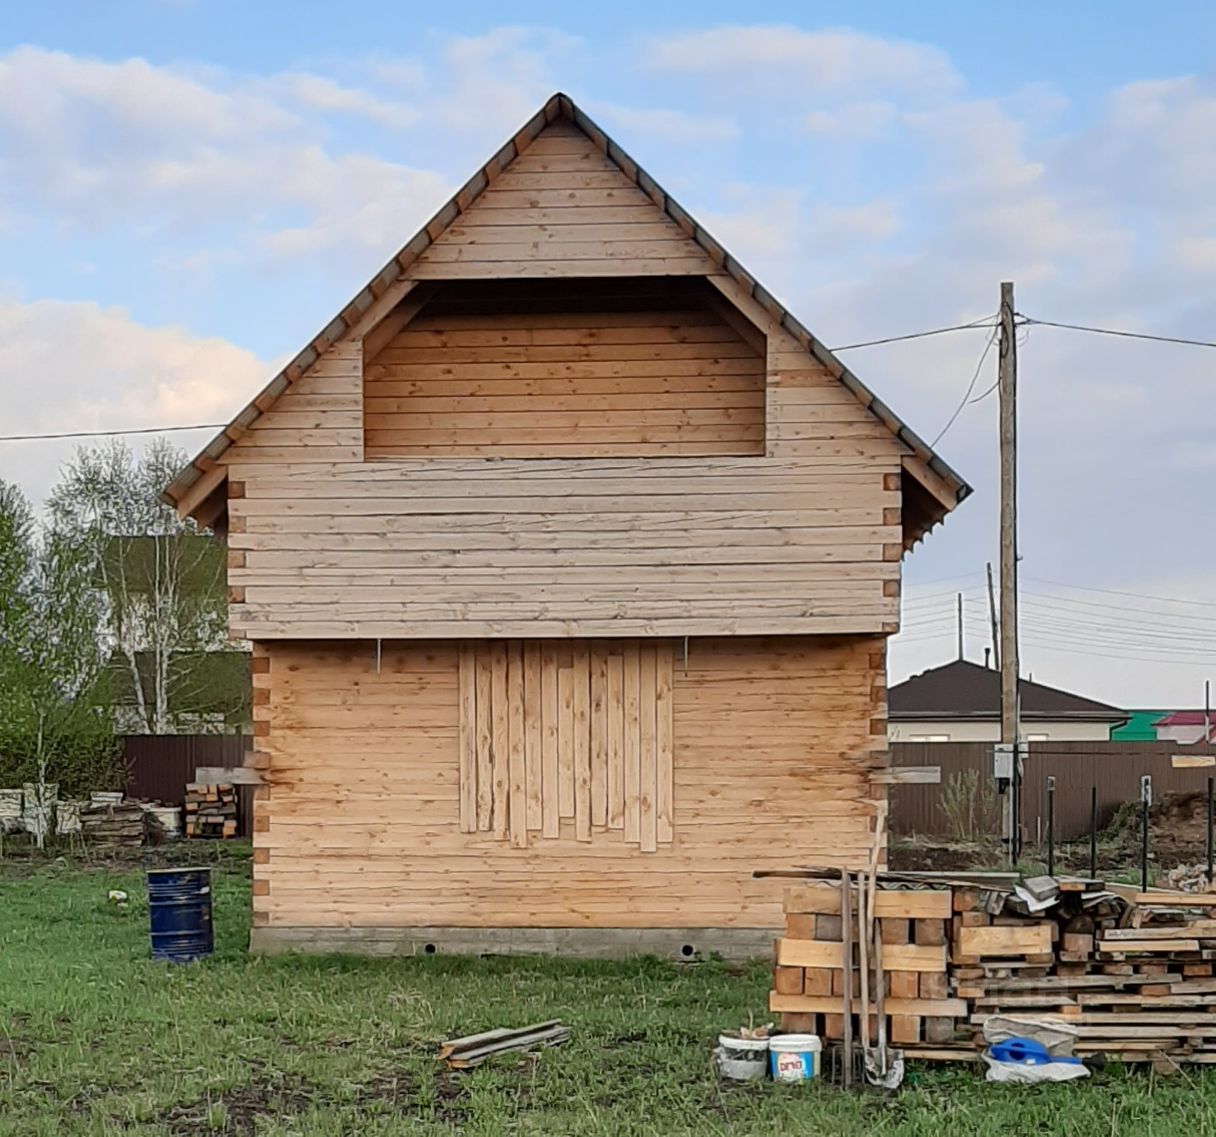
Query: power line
970	387
1116	592
1117	332
982	322
111	433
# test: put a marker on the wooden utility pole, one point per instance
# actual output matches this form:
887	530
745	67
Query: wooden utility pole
960	625
996	636
1007	387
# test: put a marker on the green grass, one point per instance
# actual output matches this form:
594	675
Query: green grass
97	1039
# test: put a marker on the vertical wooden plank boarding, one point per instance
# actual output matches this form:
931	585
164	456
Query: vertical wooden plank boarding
616	741
565	742
582	743
664	772
532	734
468	740
648	832
499	739
599	736
518	810
550	826
633	773
485	738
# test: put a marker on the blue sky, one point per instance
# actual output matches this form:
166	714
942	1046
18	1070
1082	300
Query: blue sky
189	189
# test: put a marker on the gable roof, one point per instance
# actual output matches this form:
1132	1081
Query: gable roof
204	464
965	690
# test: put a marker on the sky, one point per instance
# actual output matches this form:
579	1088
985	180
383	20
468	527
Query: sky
190	189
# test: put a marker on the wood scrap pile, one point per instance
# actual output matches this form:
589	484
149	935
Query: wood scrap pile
474	1049
113	823
211	810
815	967
1131	975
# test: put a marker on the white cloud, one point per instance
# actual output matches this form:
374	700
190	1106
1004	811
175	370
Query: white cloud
320	93
834	60
669	126
79	366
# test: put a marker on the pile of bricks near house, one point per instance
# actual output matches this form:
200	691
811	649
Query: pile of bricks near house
1131	973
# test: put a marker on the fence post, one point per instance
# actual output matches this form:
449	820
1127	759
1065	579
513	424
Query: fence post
1146	799
1051	825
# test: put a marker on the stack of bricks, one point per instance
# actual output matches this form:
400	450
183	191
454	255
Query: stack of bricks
914	927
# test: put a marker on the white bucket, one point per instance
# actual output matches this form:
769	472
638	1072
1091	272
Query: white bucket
794	1057
741	1059
170	818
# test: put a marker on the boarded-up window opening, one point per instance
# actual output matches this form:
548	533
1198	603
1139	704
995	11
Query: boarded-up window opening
567	731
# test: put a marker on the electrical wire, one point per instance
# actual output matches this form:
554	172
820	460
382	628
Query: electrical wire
982	322
1116	592
970	387
111	433
1117	332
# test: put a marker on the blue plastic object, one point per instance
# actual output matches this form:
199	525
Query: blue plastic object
179	911
1027	1052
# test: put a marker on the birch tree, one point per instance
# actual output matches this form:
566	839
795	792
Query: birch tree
55	720
163	586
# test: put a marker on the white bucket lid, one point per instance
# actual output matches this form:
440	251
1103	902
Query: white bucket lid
787	1042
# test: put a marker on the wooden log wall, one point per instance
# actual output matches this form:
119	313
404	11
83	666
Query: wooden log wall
562	209
774	742
573	731
546	383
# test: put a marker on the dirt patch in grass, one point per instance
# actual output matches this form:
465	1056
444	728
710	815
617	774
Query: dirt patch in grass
236	1112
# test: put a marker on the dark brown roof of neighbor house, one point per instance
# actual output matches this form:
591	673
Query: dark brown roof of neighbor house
963	690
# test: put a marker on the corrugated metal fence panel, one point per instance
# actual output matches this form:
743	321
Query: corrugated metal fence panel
160	766
1115	768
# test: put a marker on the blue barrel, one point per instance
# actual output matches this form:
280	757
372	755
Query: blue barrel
179	906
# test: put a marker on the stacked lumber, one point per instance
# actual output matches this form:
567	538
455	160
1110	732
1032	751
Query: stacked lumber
812	967
473	1049
113	823
211	810
1130	974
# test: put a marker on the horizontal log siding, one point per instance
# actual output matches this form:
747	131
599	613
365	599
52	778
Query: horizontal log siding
658	546
774	743
562	209
531	384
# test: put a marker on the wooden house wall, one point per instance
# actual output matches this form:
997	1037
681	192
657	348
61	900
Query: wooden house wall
329	540
527	384
774	743
561	209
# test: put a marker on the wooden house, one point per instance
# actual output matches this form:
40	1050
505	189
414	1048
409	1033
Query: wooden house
568	557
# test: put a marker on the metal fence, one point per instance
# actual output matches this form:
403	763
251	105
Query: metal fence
1115	768
160	766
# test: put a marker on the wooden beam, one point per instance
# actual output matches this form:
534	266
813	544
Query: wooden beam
203	487
380	335
908	776
933	484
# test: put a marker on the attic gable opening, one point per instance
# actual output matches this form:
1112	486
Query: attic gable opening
584	367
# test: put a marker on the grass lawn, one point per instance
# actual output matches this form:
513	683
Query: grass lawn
97	1039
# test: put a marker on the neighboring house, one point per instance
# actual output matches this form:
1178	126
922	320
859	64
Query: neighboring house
1186	726
207	691
1140	727
568	558
961	702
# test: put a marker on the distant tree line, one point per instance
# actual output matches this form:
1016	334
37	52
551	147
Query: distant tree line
112	620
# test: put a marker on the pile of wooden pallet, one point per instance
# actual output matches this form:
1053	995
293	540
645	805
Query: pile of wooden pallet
113	823
913	926
1129	974
211	810
1126	974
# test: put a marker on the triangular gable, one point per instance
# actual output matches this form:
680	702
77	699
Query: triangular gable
435	249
